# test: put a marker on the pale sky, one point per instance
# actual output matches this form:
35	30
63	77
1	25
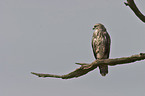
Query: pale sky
49	36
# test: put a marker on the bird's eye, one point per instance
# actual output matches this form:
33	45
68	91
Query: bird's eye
95	25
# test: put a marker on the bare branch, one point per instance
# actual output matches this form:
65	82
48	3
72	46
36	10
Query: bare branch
134	8
85	68
81	63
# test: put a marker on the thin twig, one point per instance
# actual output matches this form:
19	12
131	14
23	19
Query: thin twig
81	63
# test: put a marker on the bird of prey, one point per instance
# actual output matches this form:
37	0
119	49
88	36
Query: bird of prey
101	45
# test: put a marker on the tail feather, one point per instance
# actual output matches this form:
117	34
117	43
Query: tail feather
103	70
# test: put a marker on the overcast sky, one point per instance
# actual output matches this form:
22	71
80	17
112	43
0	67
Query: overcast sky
49	36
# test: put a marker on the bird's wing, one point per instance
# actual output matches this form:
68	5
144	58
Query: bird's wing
107	44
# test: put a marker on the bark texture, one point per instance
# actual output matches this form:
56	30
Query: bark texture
85	68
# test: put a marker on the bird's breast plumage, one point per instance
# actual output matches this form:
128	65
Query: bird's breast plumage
100	43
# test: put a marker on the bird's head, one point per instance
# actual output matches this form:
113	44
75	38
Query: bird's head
99	26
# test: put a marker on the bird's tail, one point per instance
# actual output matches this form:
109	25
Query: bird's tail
103	69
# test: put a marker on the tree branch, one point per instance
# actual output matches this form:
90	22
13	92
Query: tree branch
85	68
134	8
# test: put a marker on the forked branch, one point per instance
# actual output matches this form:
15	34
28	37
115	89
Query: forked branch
134	8
85	68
